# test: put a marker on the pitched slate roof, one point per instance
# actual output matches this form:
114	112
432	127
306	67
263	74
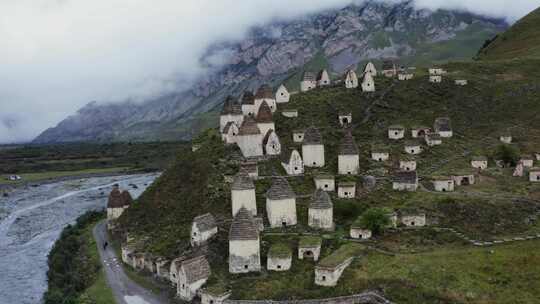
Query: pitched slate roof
249	127
408	177
119	199
230	106
320	200
346	184
267	137
196	269
479	158
308	76
442	124
248	167
350	73
286	154
388	65
280	189
248	98
264	91
348	146
312	136
320	74
265	113
242	181
396	127
228	126
243	227
205	222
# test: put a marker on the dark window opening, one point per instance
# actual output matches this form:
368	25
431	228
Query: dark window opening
380	159
211	301
314	163
326	186
282	94
284	224
395	133
295	168
245	266
324	278
443	190
278	266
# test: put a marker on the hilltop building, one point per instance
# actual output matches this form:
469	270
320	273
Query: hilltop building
308	82
345	118
330	269
346	189
436	71
248	104
243	194
407	164
351	80
229	133
359	232
396	132
211	296
479	162
461	82
463	179
323	79
320	211
244	244
249	138
117	203
264	118
279	258
192	275
282	94
313	148
348	157
443	183
281	204
405	181
370	69
420	131
271	143
291	160
379	154
405	76
265	95
309	247
298	136
527	161
443	127
413	147
231	112
534	174
506	138
325	182
203	228
413	219
389	69
435	78
368	84
433	139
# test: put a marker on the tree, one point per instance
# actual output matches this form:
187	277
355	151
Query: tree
374	219
508	154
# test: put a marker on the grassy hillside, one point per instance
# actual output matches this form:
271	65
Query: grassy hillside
522	40
424	266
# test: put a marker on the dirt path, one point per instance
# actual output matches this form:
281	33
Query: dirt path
124	289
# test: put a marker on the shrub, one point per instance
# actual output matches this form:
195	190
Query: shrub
374	219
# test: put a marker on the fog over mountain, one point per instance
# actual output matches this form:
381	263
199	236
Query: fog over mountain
58	55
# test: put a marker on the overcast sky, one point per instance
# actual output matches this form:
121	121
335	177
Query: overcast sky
58	55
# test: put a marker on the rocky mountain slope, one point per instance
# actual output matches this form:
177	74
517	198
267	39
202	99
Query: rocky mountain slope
336	39
521	40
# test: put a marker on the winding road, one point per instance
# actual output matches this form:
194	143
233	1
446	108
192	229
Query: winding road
124	289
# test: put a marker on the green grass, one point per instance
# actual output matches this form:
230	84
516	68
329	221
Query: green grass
339	256
99	292
520	41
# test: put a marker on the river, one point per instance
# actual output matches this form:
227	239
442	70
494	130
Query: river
31	220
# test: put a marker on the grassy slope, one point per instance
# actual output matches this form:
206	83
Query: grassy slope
500	96
99	292
520	41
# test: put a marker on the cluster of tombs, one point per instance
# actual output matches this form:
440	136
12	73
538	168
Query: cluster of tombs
251	127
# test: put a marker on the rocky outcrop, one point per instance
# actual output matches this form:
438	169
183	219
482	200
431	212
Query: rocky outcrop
343	38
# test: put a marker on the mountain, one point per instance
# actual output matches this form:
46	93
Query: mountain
277	52
520	41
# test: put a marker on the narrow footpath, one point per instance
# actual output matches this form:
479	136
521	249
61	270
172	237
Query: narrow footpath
124	289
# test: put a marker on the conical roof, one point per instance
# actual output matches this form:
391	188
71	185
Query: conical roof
320	200
115	199
242	181
264	91
348	146
265	113
126	198
249	127
286	153
248	98
243	227
280	189
312	136
321	73
230	106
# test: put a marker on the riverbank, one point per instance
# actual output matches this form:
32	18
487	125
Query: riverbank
32	219
75	274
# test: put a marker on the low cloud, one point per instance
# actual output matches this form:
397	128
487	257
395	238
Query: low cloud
58	55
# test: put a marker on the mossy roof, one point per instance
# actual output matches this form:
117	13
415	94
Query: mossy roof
341	255
217	289
479	158
280	250
310	241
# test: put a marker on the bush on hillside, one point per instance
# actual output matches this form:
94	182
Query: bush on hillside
374	219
